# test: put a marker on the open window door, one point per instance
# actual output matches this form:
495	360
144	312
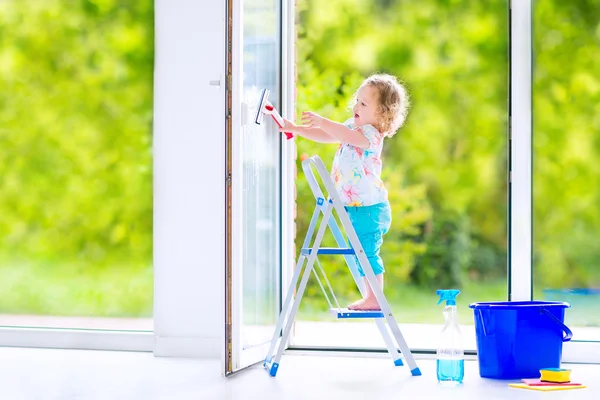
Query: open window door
255	158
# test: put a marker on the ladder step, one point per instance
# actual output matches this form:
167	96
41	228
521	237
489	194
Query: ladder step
344	313
327	250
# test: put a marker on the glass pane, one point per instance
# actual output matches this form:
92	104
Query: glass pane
445	170
260	146
76	164
566	149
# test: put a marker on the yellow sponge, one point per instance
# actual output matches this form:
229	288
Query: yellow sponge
555	375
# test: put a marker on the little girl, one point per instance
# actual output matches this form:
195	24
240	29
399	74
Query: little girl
380	109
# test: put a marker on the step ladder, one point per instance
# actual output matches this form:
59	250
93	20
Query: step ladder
351	254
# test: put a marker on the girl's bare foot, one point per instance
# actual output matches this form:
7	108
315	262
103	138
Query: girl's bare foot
353	305
369	302
366	304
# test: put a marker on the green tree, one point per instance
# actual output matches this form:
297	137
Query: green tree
75	132
453	57
566	142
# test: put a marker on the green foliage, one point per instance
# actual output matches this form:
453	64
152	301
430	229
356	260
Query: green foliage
453	56
41	287
76	162
566	105
451	156
404	243
487	263
76	103
448	253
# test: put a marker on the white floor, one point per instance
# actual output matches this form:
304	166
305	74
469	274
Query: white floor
76	374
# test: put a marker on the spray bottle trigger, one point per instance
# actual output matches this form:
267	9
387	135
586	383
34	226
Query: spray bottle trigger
449	296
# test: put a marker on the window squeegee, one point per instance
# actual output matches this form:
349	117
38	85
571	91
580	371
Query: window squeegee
265	107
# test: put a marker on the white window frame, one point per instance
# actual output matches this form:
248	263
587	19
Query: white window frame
520	174
289	153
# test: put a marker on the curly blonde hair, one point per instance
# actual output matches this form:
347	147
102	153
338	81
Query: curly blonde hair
393	101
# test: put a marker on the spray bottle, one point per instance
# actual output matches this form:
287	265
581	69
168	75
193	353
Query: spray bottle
450	353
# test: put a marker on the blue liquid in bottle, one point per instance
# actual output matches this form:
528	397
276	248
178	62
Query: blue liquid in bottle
450	354
450	371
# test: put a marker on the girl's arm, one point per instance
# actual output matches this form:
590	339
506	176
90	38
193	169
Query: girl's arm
336	130
314	134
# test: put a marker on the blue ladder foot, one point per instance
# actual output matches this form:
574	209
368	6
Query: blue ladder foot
416	372
398	362
273	370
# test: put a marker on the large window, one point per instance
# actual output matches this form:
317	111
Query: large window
566	148
446	170
76	164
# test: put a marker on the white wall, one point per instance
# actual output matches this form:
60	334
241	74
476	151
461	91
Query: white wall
189	178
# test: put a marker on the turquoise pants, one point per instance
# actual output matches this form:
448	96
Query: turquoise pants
370	224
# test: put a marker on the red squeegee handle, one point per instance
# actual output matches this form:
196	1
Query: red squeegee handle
289	135
269	107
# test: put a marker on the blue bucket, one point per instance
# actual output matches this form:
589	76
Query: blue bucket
517	339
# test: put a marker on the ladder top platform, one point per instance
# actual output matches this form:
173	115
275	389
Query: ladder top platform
344	313
328	250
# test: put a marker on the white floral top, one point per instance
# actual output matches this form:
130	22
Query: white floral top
356	172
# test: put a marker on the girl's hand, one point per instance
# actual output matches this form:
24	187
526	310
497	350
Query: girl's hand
289	126
311	119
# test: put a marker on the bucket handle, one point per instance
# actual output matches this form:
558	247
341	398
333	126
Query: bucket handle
568	333
479	314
